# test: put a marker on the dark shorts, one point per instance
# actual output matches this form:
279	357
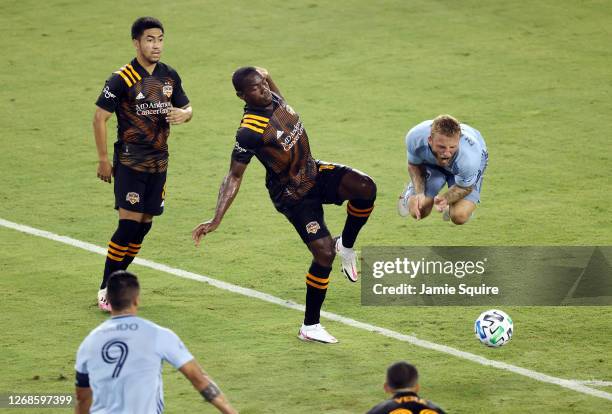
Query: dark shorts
307	216
142	192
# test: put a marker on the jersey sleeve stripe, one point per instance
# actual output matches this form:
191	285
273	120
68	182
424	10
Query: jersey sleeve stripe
253	122
261	131
127	72
125	78
257	117
133	71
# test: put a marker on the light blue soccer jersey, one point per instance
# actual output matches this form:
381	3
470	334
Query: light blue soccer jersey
123	358
468	161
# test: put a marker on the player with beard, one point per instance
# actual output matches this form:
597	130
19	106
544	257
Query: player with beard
444	151
298	185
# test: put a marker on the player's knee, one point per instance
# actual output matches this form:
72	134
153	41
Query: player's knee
325	254
460	217
367	187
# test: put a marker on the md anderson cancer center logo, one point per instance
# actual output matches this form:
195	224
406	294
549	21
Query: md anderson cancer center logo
153	108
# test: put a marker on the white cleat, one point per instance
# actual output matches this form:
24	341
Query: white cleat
402	203
349	260
102	302
316	333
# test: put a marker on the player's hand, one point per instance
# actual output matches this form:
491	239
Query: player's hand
203	229
177	116
263	72
105	171
441	203
420	201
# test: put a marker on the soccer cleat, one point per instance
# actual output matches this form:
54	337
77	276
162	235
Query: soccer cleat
102	302
349	260
402	204
446	214
316	333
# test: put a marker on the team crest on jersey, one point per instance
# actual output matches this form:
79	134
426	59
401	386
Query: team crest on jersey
313	227
167	90
132	198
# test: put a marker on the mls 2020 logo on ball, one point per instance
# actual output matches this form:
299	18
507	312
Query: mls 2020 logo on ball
494	328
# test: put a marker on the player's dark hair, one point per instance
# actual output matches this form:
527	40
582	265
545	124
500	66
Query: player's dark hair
446	125
143	23
121	289
402	375
240	75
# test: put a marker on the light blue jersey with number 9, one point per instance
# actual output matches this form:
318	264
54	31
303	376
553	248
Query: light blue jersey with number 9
123	359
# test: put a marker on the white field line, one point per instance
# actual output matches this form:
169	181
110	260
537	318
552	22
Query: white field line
574	385
596	383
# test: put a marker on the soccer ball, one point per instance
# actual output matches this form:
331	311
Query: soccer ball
494	328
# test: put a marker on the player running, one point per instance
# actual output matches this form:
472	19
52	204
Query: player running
119	364
444	151
148	97
298	185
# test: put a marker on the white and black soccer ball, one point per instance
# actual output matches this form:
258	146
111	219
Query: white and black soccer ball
494	328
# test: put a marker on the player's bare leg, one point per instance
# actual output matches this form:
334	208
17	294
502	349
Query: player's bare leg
360	191
461	211
317	281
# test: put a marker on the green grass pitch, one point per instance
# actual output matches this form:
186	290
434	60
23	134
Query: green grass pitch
533	77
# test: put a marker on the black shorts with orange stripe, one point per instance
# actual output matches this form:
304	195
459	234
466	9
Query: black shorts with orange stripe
307	216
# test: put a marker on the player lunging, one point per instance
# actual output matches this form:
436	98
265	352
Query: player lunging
444	151
147	96
298	185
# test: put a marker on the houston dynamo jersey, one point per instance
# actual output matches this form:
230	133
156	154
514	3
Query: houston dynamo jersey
123	359
466	164
278	139
406	402
141	101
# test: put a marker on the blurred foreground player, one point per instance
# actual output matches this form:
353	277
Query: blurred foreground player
148	97
119	364
403	383
443	151
298	185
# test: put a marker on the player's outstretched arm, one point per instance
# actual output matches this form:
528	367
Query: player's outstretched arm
206	386
227	193
266	75
105	169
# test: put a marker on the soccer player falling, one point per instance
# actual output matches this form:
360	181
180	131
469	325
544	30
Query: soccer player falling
443	151
298	185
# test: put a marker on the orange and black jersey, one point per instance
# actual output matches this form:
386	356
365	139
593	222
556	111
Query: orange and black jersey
404	403
278	139
141	101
